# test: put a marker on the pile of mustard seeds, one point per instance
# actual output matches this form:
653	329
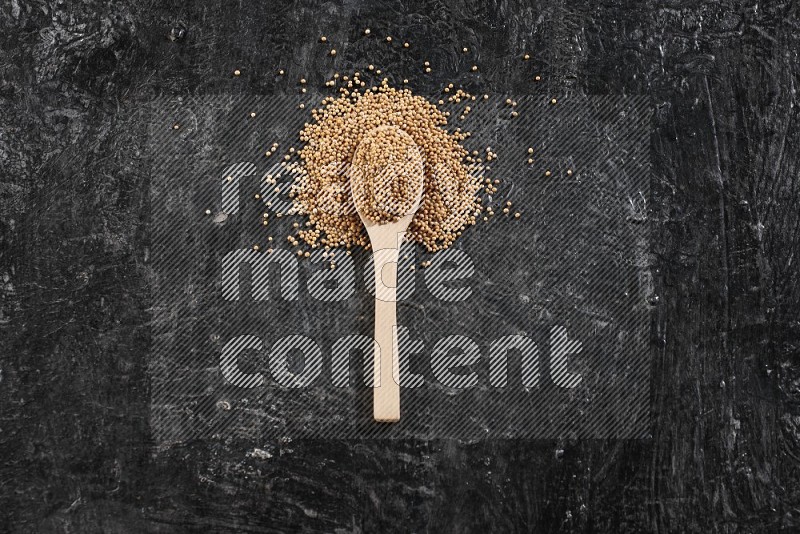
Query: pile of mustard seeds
321	192
386	175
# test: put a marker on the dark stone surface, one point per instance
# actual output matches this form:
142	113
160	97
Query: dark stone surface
76	453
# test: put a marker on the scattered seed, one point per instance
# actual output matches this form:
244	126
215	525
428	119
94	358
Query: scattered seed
333	51
526	57
553	101
237	72
367	31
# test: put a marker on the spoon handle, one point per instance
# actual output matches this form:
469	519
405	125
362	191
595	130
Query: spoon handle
386	403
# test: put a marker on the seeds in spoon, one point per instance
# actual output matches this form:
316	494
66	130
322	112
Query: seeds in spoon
386	174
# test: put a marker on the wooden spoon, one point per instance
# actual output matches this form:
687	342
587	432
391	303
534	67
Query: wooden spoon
385	240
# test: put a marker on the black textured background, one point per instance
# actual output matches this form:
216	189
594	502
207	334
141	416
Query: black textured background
578	259
76	453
